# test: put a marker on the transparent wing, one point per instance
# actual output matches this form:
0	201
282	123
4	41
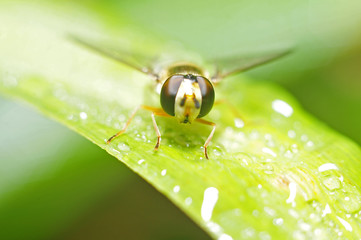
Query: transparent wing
234	65
134	60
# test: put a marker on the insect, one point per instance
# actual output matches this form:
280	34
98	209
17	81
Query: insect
187	91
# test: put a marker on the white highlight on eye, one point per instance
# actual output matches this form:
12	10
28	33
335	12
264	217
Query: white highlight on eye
346	224
327	166
210	199
293	189
326	211
282	107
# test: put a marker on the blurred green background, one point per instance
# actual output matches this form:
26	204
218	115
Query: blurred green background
57	185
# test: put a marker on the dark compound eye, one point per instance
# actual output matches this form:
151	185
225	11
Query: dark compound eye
207	92
169	92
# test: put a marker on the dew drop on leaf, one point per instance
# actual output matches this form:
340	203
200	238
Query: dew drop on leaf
123	147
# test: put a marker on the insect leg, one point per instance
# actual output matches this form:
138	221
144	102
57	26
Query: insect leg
157	131
125	126
156	112
210	135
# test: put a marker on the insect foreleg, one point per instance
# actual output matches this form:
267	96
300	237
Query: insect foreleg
155	112
125	126
210	135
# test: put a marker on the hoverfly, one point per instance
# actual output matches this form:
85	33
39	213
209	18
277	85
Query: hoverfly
187	90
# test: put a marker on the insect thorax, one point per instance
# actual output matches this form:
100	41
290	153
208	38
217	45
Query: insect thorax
182	68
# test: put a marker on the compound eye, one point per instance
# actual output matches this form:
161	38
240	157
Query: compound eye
207	92
169	92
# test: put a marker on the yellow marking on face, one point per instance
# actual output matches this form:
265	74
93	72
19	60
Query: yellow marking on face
186	110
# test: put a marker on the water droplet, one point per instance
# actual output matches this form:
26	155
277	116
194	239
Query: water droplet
298	235
293	188
176	188
350	203
123	147
327	167
238	123
291	134
210	199
282	107
83	115
115	151
332	182
304	226
294	148
309	145
217	151
225	237
141	161
315	218
214	227
269	211
138	137
268	136
255	213
163	172
188	201
248	232
237	212
254	135
278	221
269	140
341	178
264	236
304	137
346	224
293	213
288	154
319	232
268	169
269	151
259	186
326	211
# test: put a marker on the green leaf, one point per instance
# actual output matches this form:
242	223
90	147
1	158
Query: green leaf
282	175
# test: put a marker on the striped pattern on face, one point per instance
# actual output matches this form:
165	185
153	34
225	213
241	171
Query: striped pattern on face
188	101
187	97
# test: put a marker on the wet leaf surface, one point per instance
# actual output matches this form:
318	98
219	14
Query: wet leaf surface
281	174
